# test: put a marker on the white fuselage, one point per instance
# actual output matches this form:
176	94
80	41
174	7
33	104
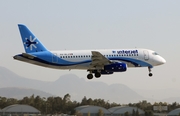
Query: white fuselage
76	59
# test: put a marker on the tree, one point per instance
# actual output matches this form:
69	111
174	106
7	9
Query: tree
50	105
148	113
100	113
90	101
73	112
89	114
78	113
151	113
11	101
137	113
133	113
67	98
58	104
84	101
126	114
31	102
38	102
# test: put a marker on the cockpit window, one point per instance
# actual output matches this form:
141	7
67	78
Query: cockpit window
154	53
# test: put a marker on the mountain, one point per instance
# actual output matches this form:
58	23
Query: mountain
75	86
19	93
10	79
78	88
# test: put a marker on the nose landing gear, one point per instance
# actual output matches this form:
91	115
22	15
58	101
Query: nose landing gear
150	74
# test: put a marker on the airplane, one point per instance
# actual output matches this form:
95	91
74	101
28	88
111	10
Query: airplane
96	62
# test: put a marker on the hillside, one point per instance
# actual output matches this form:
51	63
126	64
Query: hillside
75	86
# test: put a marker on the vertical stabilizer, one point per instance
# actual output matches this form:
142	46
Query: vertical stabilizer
30	42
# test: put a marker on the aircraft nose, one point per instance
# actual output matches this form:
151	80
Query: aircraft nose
163	61
160	60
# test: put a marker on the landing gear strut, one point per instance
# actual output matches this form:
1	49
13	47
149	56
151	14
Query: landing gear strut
150	74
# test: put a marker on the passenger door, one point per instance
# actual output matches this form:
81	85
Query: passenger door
54	58
146	55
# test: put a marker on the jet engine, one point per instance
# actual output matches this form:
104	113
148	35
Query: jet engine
116	67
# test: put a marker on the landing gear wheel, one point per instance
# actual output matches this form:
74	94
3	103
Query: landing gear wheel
89	76
150	74
97	74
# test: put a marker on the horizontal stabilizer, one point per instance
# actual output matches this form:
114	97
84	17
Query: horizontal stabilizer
28	56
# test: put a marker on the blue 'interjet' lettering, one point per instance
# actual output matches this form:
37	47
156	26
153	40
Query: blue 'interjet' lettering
126	52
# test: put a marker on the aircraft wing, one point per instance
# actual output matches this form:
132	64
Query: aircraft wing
98	60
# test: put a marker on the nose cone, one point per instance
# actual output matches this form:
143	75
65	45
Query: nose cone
163	61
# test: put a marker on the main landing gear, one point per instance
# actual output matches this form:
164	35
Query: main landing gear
150	74
96	74
90	76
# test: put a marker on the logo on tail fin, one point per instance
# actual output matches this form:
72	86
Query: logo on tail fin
31	43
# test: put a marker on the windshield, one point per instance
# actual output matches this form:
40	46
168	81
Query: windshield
154	53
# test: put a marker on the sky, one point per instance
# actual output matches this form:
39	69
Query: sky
95	24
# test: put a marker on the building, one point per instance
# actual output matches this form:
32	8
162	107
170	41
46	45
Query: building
114	111
121	110
175	112
92	110
17	109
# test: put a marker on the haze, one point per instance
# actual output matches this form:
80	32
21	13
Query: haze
96	24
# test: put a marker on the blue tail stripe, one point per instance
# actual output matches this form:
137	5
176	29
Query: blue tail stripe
61	62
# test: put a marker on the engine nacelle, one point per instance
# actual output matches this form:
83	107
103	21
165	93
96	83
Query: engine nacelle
116	67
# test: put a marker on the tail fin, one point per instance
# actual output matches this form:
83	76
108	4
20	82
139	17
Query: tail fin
30	42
